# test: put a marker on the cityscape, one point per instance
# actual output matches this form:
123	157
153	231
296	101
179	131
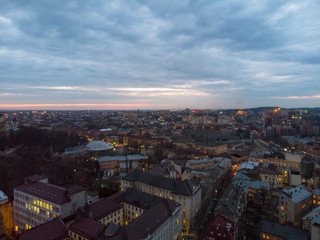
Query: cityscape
160	120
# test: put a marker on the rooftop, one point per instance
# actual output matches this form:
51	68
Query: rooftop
296	194
49	192
3	198
98	146
52	230
286	232
102	208
87	228
186	187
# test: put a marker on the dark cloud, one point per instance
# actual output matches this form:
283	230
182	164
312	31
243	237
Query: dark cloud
258	50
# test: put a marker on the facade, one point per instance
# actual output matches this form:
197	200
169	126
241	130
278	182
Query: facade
290	160
186	192
316	198
5	215
273	177
294	204
37	202
121	164
315	230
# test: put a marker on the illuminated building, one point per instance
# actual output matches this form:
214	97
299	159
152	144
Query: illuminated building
186	192
294	203
38	202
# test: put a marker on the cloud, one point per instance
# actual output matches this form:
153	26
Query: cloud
299	97
190	53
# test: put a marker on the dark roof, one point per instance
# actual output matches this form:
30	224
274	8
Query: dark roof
102	208
287	232
46	191
74	189
186	187
52	230
158	171
148	222
34	178
87	228
137	198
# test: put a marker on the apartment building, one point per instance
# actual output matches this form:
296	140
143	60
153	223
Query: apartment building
294	204
37	202
291	160
187	192
273	177
145	217
105	211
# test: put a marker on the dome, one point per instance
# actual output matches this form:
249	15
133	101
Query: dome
98	146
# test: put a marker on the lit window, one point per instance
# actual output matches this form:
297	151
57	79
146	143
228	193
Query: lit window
51	207
184	221
26	205
184	209
264	236
282	208
40	204
137	215
314	202
170	198
177	221
47	206
34	201
17	228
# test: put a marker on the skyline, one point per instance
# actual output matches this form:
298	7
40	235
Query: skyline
159	55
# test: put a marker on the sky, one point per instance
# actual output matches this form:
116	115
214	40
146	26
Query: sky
159	54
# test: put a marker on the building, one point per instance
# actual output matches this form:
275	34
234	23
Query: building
220	228
294	204
144	216
316	197
292	160
5	215
275	231
271	176
315	229
231	206
53	230
37	202
187	192
309	218
105	211
121	164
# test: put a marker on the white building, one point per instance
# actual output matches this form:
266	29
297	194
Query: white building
37	202
186	192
